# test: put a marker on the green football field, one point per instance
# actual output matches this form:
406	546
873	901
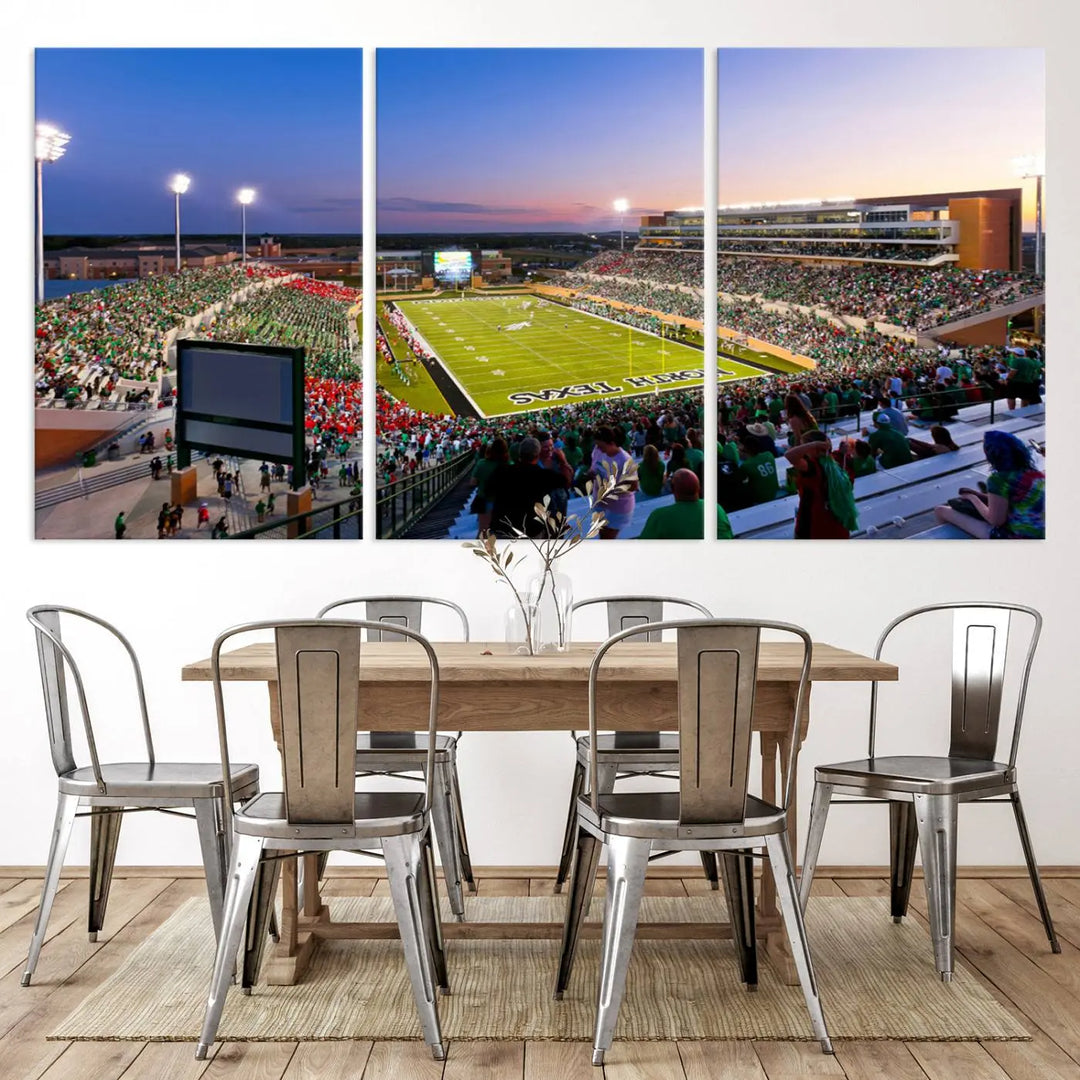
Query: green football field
546	354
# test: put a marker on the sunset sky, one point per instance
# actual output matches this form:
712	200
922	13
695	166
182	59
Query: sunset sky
489	139
822	122
287	122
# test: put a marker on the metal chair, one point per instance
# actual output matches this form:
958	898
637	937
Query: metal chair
711	811
402	754
627	753
110	790
320	810
924	793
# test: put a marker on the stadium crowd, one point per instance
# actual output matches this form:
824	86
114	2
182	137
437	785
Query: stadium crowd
85	343
909	297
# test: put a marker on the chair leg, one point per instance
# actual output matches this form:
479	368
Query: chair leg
738	871
787	895
464	858
577	788
606	775
1033	872
104	836
936	817
442	818
66	805
403	856
246	856
427	890
582	879
903	838
628	863
819	812
213	841
712	873
260	918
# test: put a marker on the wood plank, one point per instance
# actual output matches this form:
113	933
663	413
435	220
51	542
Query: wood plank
1011	976
21	899
24	1051
1023	930
791	1060
1062	896
956	1061
348	886
487	886
1040	1059
720	1061
402	1061
169	1061
490	663
643	1061
69	906
329	1060
654	886
874	1060
485	1060
8	883
100	1060
546	1060
250	1061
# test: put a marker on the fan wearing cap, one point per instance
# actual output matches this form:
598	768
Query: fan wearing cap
887	443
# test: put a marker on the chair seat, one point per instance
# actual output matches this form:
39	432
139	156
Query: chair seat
399	751
163	779
922	775
375	813
655	815
633	748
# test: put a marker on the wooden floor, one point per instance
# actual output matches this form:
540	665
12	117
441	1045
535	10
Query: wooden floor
998	934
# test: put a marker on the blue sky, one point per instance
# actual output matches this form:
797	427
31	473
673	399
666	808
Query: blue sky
286	122
482	140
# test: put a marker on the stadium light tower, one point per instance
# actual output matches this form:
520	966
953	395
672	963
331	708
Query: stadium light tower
1031	166
621	206
244	196
49	145
180	184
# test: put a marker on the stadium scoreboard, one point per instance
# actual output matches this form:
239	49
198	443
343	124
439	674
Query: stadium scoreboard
453	266
241	399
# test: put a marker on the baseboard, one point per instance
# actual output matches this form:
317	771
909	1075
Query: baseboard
688	870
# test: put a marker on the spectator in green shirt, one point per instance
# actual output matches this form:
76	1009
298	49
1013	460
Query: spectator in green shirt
758	469
888	444
651	472
684	519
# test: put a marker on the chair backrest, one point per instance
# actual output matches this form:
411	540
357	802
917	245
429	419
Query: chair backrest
623	612
318	674
54	660
717	679
389	611
980	640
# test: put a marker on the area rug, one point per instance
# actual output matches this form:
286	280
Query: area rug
877	981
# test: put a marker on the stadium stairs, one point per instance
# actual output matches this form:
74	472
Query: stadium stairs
442	515
899	503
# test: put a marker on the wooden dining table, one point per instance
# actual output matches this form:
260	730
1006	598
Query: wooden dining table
486	687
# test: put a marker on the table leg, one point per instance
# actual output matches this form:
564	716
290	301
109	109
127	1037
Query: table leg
289	959
774	746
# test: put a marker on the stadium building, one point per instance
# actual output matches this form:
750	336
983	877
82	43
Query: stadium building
979	230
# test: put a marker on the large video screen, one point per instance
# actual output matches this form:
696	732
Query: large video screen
241	399
453	265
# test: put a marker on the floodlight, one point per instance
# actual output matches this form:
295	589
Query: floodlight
180	183
245	196
49	142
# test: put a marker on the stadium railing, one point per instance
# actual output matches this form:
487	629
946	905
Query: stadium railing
339	520
403	502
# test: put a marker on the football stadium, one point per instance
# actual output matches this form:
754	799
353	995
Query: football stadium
904	329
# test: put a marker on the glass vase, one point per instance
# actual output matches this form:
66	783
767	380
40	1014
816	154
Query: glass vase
521	628
552	594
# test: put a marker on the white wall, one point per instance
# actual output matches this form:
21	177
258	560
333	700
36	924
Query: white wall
173	598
